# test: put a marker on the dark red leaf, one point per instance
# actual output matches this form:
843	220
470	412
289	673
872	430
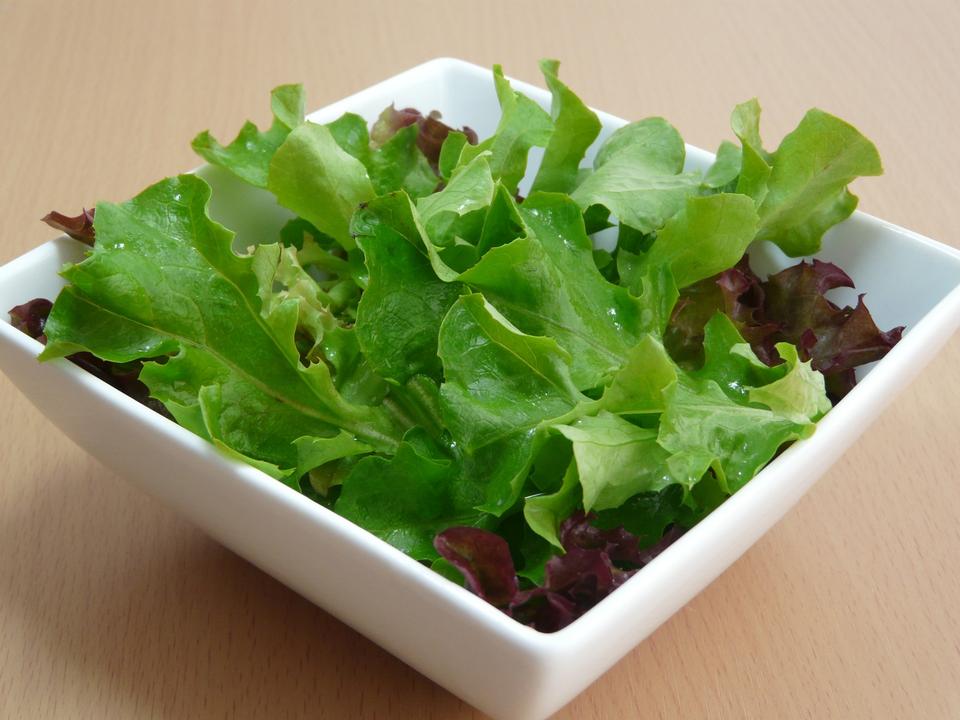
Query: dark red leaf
484	559
835	339
790	306
79	227
543	610
431	130
596	563
31	317
620	546
583	576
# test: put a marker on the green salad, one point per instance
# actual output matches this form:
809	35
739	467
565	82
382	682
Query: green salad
454	366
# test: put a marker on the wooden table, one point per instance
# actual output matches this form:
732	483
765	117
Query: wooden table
112	607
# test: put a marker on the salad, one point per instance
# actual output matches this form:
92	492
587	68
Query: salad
453	365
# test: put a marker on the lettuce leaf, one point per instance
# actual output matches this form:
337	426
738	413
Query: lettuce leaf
79	227
248	156
317	179
406	500
398	318
523	125
790	306
499	381
801	188
234	375
637	175
615	460
546	283
501	386
707	236
575	128
430	132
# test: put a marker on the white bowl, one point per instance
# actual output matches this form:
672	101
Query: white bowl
445	632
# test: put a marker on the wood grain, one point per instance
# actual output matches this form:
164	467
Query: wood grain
112	607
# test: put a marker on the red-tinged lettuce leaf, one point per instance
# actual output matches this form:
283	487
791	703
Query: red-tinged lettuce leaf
790	306
431	130
622	547
484	559
584	577
837	340
543	609
31	318
79	227
595	563
738	294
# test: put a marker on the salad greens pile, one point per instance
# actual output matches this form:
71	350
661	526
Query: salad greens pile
455	367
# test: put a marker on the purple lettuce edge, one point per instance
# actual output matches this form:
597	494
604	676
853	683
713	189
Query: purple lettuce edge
595	562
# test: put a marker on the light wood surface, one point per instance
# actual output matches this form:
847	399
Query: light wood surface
113	607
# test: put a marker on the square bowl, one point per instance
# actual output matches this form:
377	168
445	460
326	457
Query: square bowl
506	669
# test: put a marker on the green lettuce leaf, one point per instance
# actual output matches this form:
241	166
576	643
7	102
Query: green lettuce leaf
755	161
350	133
280	279
499	381
313	176
439	216
645	515
248	156
523	125
237	377
801	189
502	221
808	193
409	498
615	460
547	283
799	395
399	164
501	387
725	169
705	426
314	452
707	236
638	386
545	512
731	363
637	175
575	128
399	314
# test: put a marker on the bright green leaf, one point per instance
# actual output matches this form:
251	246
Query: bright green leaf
248	156
313	176
576	127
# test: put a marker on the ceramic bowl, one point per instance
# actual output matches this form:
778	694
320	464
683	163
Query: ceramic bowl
506	669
